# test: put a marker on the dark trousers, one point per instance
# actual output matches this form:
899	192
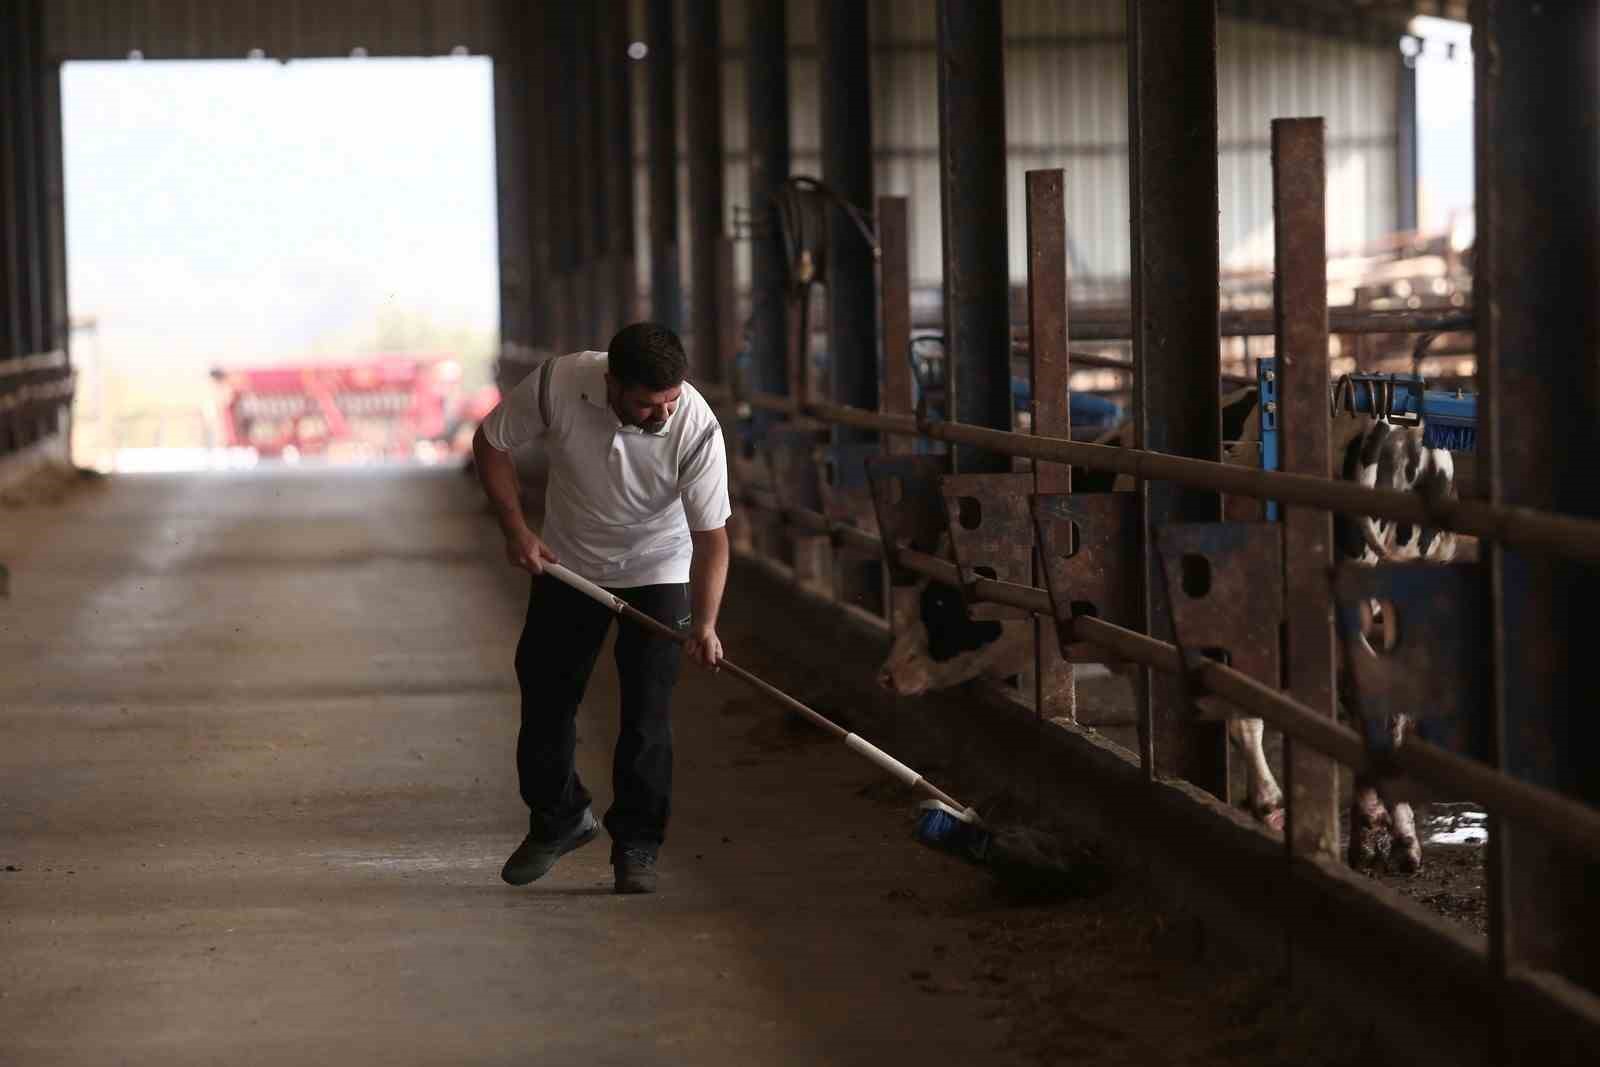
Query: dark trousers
560	642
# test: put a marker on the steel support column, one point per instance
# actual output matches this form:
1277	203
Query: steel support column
1055	696
1538	320
13	302
767	95
666	286
703	86
972	187
545	317
1405	155
56	199
568	220
596	81
1172	126
624	277
894	289
1300	306
24	72
38	174
847	167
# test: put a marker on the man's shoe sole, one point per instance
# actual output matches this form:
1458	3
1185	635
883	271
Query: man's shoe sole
572	845
626	888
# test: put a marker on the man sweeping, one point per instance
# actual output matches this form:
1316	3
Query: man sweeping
637	502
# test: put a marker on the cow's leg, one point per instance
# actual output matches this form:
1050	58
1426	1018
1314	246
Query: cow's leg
1369	827
1405	853
1261	788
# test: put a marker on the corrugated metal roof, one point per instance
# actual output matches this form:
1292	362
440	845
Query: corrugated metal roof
1066	88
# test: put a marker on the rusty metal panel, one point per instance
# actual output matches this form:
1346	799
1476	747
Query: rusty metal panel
1224	587
842	480
1172	49
1088	544
991	530
1408	652
790	455
1311	784
909	505
972	163
1537	270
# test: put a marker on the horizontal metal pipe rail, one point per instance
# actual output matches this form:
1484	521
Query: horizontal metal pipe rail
1560	535
1116	324
1564	820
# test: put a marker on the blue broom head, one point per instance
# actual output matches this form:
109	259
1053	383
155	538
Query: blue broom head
942	827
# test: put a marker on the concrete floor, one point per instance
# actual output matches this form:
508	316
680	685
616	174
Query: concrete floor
256	785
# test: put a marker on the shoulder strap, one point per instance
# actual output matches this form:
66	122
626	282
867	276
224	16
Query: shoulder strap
546	372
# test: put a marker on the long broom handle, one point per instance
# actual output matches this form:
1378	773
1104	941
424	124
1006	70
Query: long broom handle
853	741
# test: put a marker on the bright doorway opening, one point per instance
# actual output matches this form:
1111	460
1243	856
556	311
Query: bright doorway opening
278	262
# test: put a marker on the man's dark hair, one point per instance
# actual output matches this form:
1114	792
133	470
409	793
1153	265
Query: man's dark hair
647	355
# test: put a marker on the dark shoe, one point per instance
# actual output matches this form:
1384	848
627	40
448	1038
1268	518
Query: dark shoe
635	869
535	856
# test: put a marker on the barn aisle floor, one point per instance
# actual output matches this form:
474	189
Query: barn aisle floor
256	785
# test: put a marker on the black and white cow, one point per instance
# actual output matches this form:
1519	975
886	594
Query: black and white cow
942	647
1390	457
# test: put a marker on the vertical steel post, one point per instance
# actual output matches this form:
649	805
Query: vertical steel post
847	168
703	86
512	202
1405	156
1300	313
24	72
842	38
894	395
13	299
666	285
567	218
972	187
894	296
55	196
1172	126
767	94
598	81
624	281
1537	273
1054	695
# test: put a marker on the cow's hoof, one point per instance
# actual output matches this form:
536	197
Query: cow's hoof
1405	855
1369	847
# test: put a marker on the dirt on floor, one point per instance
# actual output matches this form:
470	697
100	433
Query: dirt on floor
1451	882
1105	976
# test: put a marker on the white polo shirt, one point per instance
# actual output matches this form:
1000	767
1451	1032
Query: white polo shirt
620	502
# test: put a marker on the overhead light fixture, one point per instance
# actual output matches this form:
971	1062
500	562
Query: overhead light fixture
638	50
